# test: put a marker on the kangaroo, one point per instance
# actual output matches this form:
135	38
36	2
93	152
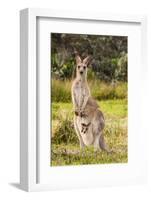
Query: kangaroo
85	127
88	119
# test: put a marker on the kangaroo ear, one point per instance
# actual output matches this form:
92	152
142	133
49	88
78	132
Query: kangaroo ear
87	60
78	59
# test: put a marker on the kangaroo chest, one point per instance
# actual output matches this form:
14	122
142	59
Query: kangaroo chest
81	92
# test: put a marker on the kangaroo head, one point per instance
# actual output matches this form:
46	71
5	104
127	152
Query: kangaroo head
82	66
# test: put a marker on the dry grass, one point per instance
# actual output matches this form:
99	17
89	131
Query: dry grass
61	90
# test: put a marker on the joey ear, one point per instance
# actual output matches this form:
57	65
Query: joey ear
78	59
87	60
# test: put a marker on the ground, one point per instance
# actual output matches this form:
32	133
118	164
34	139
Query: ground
65	147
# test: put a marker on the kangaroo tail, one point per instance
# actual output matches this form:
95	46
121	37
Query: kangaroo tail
103	145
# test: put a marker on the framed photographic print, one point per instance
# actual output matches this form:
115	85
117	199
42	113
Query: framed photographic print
82	80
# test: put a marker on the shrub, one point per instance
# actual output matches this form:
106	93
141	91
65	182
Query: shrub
65	132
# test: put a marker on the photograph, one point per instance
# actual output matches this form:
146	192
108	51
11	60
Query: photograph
89	99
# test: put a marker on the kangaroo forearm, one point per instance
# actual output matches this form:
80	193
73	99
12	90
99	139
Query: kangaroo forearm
84	103
75	103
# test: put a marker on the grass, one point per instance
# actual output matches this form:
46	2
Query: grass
61	90
65	145
71	155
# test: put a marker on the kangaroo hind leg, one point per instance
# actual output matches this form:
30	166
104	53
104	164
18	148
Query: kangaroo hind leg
78	134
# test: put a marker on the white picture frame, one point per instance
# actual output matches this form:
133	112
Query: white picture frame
29	148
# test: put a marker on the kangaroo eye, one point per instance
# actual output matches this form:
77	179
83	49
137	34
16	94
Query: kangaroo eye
78	66
84	67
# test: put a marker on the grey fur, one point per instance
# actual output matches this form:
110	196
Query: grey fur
89	121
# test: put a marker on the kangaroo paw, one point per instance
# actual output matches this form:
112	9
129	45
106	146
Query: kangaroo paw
83	114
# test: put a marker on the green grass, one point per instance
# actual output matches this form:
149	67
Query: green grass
71	155
61	90
65	145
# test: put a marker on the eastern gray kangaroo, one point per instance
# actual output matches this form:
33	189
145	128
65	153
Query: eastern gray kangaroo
88	119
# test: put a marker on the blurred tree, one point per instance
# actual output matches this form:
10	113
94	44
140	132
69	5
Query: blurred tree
109	55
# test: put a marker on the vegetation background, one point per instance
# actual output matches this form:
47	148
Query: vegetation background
107	79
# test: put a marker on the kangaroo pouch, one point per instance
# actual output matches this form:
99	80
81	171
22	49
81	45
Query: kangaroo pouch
85	132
